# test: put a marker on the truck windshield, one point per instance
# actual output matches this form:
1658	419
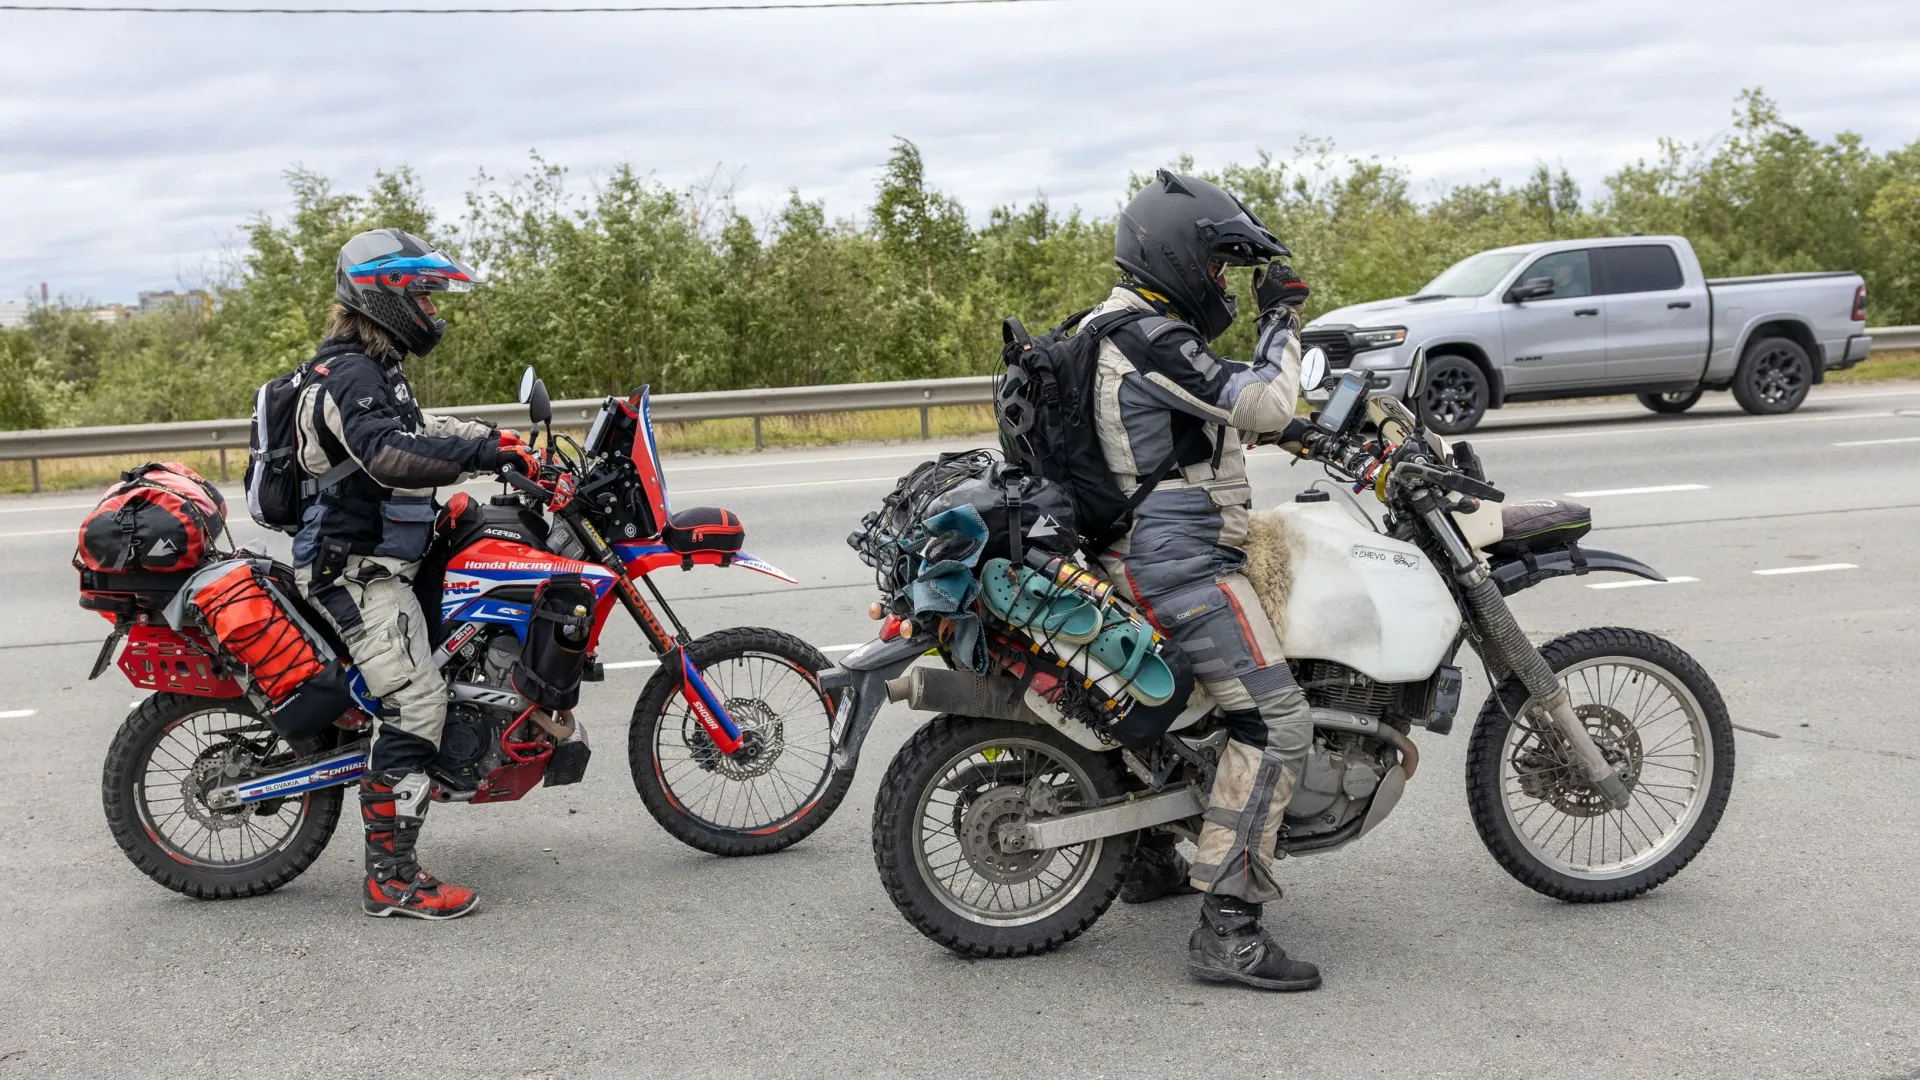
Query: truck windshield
1473	276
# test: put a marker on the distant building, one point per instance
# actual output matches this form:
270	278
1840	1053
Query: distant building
151	302
13	313
109	313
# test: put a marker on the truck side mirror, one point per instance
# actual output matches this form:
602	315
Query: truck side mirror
1530	289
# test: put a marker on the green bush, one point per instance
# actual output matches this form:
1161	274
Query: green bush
633	282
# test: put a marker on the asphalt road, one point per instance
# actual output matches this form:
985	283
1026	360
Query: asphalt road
1790	948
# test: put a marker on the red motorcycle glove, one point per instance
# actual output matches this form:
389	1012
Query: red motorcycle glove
518	457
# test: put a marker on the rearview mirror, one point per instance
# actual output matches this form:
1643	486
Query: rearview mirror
539	409
1530	289
1313	375
527	380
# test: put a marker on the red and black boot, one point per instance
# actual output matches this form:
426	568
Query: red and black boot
392	804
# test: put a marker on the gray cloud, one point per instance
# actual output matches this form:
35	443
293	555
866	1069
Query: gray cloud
132	148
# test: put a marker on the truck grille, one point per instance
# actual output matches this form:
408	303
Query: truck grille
1337	344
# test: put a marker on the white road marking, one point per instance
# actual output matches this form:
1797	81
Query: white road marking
1640	583
1878	442
70	530
790	484
37	509
1704	425
17	714
1820	568
628	665
674	466
1600	492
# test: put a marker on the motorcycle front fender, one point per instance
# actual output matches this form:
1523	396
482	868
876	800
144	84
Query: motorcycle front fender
1526	571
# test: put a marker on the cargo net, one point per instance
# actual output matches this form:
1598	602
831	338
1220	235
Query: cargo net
247	622
884	534
1043	673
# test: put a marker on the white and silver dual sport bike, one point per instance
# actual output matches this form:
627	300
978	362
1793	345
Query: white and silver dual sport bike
1597	769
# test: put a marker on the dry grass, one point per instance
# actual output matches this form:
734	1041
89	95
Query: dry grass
73	474
1880	367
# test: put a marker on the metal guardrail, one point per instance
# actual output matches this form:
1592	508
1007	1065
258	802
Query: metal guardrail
924	394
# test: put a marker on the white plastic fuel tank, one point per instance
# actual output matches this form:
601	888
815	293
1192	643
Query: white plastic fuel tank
1362	599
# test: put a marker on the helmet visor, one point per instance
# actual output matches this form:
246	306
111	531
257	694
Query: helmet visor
441	273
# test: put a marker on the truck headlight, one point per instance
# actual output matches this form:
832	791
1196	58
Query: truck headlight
1382	338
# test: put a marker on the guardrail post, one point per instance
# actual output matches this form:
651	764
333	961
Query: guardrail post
923	422
223	465
757	444
33	466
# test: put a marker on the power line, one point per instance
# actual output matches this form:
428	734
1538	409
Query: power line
628	10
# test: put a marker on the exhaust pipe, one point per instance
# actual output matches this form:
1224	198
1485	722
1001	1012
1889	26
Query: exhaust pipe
993	697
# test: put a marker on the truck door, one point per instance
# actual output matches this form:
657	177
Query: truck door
1557	341
1656	324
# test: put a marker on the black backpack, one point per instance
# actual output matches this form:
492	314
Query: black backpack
277	492
1045	409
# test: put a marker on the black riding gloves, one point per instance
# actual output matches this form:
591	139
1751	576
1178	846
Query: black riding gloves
1275	285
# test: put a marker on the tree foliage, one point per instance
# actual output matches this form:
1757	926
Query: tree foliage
626	281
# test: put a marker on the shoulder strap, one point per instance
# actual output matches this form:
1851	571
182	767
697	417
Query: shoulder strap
1102	325
330	479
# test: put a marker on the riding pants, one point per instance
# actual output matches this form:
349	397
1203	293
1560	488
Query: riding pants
373	606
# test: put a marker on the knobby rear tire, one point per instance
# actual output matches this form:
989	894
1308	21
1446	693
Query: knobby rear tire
651	711
896	834
122	790
1485	789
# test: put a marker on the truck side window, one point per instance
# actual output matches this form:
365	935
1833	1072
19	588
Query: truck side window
1638	268
1570	272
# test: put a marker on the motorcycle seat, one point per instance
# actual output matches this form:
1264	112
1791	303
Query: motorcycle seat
703	528
1540	525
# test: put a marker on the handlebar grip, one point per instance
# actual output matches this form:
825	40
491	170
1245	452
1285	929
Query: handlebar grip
515	478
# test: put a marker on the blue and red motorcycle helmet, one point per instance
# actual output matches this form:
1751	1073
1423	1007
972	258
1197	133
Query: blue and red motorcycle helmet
383	272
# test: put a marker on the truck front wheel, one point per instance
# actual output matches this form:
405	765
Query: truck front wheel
1773	377
1455	396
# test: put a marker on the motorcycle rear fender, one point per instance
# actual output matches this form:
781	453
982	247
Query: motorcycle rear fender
1526	571
861	677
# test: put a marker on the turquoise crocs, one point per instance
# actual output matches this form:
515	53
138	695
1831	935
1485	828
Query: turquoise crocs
1029	601
1124	647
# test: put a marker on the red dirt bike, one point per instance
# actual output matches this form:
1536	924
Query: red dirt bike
729	744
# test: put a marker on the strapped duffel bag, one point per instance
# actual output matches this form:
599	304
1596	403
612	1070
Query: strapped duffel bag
148	532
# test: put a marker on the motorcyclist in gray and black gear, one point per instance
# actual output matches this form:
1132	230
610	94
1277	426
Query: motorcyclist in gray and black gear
373	459
1182	561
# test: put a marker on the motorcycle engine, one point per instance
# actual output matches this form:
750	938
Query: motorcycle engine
1336	783
470	745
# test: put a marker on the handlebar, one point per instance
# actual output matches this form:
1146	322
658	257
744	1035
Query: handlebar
1408	461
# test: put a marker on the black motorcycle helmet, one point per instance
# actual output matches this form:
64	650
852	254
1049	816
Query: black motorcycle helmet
382	274
1178	236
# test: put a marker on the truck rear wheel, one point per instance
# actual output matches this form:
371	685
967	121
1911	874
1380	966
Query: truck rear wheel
1773	377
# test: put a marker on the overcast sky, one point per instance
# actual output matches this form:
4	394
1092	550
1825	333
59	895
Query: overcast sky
131	146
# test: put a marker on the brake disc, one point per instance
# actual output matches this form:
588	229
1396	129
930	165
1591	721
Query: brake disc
1548	772
980	830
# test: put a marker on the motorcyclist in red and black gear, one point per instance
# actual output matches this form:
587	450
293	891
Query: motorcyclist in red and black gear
373	460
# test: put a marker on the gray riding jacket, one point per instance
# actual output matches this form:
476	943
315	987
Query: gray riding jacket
1190	528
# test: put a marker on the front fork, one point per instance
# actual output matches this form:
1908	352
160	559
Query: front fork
671	648
1507	642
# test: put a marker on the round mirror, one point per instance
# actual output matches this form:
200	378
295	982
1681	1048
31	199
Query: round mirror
539	409
1313	372
527	381
1417	374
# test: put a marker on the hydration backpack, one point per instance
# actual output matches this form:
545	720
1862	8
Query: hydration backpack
1044	405
277	492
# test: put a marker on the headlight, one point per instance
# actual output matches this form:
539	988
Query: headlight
1384	338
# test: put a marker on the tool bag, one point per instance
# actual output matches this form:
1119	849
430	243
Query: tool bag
555	657
161	518
255	626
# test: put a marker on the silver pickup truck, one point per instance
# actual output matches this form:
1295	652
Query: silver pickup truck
1626	315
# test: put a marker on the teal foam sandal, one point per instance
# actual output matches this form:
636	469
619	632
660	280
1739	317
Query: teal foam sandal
1125	648
1029	601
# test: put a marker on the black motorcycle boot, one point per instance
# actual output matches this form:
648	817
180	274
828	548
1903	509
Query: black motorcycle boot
1158	872
1230	945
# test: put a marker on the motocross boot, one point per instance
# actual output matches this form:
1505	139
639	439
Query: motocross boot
392	805
1230	945
1158	871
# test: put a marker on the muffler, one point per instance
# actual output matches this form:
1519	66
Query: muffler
993	697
